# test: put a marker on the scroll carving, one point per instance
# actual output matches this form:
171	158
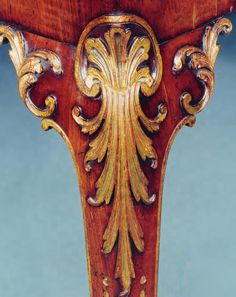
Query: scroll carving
201	62
117	67
29	66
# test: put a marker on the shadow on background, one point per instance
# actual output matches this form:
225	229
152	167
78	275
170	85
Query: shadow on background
42	250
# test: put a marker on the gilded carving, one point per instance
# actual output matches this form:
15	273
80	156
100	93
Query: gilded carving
117	67
105	294
143	280
143	293
201	62
29	66
105	287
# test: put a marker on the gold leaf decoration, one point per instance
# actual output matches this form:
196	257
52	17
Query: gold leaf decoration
29	66
143	293
105	294
118	66
201	62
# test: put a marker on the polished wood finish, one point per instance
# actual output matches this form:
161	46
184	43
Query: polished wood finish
65	21
96	219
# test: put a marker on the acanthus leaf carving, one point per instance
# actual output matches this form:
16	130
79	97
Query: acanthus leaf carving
201	62
117	66
29	66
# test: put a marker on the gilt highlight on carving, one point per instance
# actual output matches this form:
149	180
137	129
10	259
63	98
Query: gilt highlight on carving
29	66
118	66
201	62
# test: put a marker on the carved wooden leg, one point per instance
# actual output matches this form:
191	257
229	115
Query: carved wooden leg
118	109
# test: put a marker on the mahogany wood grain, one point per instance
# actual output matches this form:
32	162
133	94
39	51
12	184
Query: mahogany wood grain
64	20
56	25
96	219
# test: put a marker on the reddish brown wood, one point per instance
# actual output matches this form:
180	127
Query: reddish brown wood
65	20
96	218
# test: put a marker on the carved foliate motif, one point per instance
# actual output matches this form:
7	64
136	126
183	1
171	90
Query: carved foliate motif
201	62
118	68
29	66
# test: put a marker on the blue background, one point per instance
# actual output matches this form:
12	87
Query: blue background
42	250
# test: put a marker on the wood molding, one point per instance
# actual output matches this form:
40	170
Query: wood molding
64	20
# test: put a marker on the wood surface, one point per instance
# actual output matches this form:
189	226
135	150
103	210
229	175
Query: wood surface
95	219
64	20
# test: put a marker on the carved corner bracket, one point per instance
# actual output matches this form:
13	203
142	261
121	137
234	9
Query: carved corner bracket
29	66
116	66
201	62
